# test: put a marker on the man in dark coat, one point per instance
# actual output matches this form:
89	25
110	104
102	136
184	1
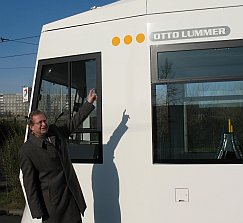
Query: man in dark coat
51	185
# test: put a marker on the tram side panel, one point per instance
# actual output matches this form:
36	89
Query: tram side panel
157	192
143	191
195	192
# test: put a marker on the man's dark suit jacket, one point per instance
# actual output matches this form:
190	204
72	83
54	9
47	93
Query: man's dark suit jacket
51	185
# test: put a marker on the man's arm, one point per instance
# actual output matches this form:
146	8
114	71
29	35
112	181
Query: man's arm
83	112
80	116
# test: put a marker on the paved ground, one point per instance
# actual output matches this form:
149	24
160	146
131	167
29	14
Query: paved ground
10	219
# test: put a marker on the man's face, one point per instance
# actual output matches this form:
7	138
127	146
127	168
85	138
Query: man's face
39	127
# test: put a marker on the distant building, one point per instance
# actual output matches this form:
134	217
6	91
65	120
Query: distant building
13	105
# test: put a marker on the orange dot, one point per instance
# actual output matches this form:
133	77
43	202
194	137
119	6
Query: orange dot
127	39
116	41
140	37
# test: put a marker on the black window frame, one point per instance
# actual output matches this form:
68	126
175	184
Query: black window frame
154	51
69	59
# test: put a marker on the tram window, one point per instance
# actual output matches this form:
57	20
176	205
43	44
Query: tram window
63	85
197	102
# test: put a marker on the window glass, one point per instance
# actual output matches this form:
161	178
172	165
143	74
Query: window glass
53	98
200	63
64	86
196	120
83	79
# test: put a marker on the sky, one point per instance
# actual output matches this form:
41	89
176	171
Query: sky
21	22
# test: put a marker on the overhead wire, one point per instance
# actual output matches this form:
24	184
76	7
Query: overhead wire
10	68
6	40
18	40
17	55
28	37
23	40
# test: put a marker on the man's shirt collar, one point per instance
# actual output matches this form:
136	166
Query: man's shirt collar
40	142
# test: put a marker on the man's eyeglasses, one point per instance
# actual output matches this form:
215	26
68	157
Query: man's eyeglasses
40	122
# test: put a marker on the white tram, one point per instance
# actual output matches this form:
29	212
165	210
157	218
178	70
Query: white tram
169	79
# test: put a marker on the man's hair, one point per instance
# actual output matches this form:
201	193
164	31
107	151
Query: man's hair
34	113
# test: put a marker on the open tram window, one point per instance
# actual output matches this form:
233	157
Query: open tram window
197	103
61	88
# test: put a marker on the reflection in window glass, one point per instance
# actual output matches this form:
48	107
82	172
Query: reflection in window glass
191	117
54	100
83	79
200	63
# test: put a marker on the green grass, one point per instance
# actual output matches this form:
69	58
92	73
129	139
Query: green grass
10	202
12	135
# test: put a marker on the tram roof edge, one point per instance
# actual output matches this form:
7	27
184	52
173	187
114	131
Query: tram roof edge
131	8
